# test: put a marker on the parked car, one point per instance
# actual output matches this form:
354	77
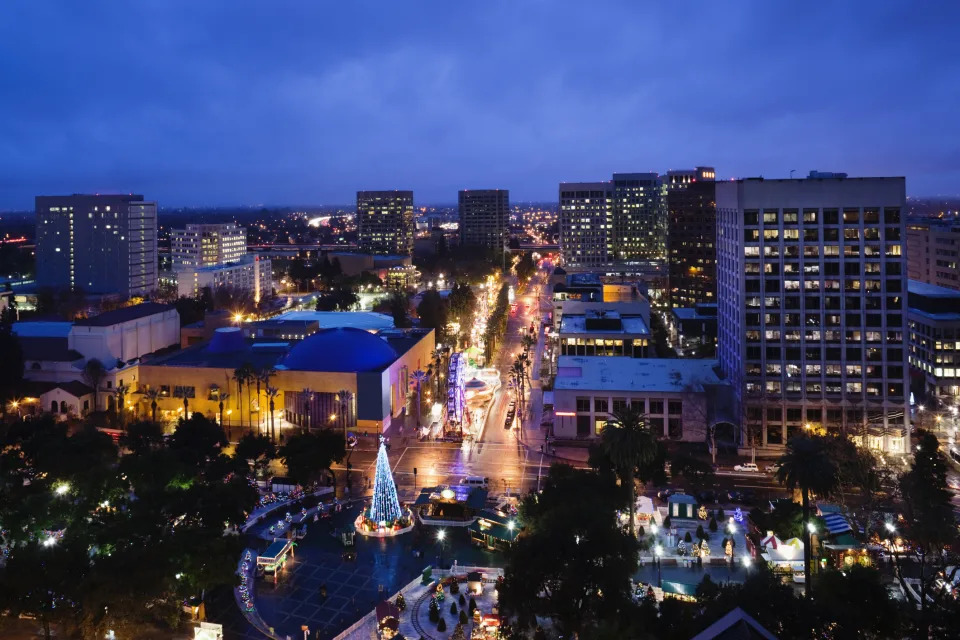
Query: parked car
772	468
746	496
747	466
663	494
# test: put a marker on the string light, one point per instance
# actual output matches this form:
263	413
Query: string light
385	506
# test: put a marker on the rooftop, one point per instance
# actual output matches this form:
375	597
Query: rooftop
629	325
367	320
125	314
695	313
48	349
650	375
42	329
931	290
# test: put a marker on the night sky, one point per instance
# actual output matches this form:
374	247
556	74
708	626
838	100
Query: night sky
271	102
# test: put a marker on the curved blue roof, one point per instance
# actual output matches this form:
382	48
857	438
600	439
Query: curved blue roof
227	340
340	349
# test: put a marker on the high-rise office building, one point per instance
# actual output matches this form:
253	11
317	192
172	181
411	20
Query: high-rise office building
207	245
97	243
812	324
620	222
639	219
586	223
933	252
484	218
692	236
385	222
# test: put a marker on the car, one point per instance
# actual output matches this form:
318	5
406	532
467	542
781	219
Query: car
663	494
746	496
772	468
750	467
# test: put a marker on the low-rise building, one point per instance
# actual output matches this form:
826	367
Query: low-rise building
602	332
693	327
681	398
933	316
252	273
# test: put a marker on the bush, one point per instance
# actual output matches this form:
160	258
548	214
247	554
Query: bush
713	525
463	617
720	515
434	614
473	605
454	586
401	602
442	625
666	522
641	532
453	608
701	534
463	601
688	537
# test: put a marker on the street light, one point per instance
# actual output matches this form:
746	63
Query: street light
891	527
62	489
812	528
658	552
441	535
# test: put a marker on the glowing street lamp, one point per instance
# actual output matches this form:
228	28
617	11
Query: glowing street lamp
812	528
62	489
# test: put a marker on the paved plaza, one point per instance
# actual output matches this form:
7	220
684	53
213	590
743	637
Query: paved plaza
381	568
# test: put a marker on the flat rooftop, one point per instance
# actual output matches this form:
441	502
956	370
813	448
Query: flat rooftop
367	320
631	325
931	290
642	375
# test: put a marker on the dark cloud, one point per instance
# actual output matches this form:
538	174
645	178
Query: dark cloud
228	102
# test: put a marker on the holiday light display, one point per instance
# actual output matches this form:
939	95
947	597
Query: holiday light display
384	517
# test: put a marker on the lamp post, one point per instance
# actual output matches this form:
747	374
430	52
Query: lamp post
441	536
658	553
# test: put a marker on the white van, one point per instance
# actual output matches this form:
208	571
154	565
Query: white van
475	481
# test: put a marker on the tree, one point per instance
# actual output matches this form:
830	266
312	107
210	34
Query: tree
930	526
462	302
197	438
11	374
432	311
525	267
807	466
307	455
571	552
398	309
121	391
152	395
93	374
857	604
627	442
243	375
257	450
272	393
142	437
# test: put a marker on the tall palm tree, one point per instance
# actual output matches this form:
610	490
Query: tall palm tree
152	394
438	367
263	375
627	442
272	393
121	391
93	374
239	376
419	376
223	397
807	466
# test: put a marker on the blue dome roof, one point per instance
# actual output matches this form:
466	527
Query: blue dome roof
340	349
226	340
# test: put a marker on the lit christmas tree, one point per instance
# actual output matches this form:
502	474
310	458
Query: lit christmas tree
385	507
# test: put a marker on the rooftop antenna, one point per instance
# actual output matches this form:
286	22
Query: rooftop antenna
791	173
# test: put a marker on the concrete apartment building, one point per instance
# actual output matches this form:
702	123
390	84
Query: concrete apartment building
103	244
932	252
385	222
205	245
484	218
812	321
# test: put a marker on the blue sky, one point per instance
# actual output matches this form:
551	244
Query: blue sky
249	102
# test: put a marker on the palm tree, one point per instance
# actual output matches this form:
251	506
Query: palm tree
93	373
152	395
272	393
627	442
244	375
344	397
438	367
263	375
807	466
419	376
223	397
121	392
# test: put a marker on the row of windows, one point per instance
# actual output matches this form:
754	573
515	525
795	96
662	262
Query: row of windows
604	405
890	215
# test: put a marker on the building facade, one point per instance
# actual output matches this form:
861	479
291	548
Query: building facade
206	245
251	273
604	332
677	396
97	243
933	252
620	222
812	319
934	317
385	222
692	236
484	218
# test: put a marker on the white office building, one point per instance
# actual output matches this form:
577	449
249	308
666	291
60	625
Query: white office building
205	245
812	321
250	273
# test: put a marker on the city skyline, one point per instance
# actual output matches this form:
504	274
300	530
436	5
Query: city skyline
285	110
